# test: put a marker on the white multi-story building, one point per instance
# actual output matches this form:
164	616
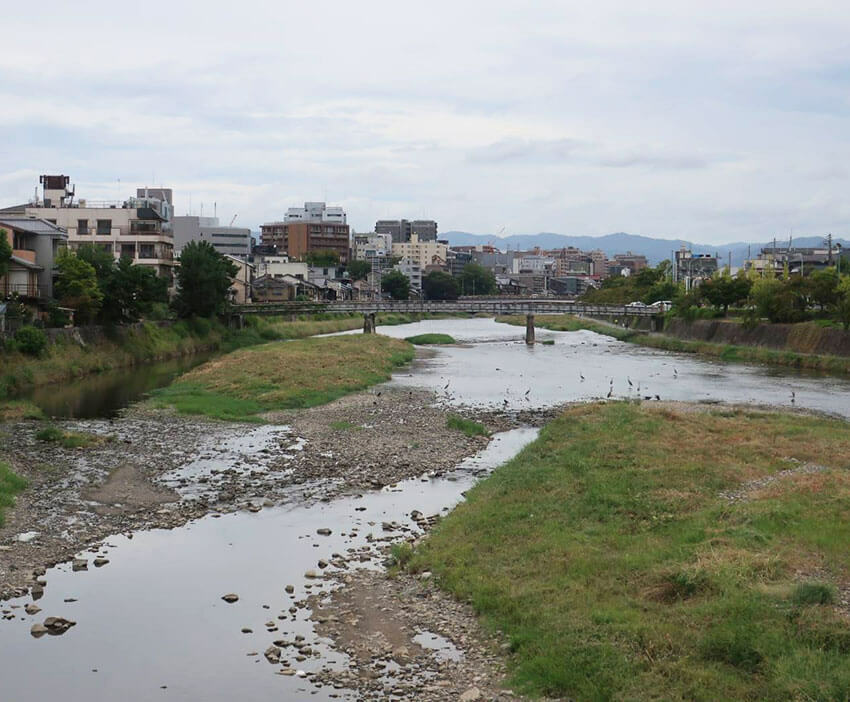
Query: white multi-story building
372	245
138	227
280	266
413	271
315	212
423	253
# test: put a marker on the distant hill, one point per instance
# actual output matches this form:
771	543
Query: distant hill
655	250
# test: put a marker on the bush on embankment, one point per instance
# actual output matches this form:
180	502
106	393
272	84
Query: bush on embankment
109	348
627	554
302	373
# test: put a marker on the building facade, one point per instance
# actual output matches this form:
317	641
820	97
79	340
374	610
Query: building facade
138	227
35	245
402	230
314	227
372	245
232	241
422	253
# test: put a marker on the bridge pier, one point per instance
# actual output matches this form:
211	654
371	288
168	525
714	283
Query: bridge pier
369	323
529	329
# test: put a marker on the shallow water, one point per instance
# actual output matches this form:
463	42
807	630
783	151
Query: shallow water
104	394
154	616
497	369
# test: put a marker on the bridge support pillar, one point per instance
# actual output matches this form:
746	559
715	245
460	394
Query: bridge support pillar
369	323
529	329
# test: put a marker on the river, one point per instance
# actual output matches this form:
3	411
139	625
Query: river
151	624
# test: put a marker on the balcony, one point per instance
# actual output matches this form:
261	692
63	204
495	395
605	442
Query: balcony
22	290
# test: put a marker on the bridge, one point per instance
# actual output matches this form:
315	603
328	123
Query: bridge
488	305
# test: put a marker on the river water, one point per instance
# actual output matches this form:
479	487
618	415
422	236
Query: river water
151	624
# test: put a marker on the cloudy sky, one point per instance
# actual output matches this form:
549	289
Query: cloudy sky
712	121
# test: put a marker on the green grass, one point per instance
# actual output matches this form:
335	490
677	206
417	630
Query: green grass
276	376
422	339
608	558
744	354
467	426
69	439
10	485
345	426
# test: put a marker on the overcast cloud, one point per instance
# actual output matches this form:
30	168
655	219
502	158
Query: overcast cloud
715	121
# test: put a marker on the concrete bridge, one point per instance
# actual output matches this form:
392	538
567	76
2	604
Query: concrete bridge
490	305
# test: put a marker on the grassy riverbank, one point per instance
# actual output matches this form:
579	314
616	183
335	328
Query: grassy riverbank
66	359
10	485
274	376
727	352
627	554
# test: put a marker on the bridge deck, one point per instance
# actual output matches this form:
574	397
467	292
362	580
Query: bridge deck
495	306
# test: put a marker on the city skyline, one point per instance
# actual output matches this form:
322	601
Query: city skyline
713	125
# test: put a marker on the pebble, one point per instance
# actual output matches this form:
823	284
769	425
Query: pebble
230	598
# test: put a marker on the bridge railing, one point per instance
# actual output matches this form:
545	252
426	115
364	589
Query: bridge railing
491	306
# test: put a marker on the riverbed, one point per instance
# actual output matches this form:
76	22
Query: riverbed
151	623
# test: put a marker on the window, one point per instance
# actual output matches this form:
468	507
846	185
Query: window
82	226
147	251
128	251
106	247
19	242
104	227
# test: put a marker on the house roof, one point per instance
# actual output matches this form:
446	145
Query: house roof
32	225
26	264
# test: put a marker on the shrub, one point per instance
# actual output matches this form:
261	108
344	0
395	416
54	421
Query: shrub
30	341
50	434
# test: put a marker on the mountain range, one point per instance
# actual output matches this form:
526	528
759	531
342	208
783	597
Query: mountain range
655	250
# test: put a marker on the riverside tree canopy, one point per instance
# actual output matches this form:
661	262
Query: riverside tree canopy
203	280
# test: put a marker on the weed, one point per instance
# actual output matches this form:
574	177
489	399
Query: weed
10	485
467	426
814	594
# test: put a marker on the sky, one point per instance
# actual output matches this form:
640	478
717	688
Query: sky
708	121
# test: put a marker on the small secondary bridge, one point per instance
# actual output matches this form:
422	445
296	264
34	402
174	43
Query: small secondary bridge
491	305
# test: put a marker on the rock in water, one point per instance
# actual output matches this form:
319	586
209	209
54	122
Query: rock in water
272	655
230	598
79	564
38	630
323	532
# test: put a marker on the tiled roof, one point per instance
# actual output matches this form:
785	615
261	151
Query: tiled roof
32	225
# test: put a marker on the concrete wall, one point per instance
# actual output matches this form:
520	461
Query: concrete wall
800	338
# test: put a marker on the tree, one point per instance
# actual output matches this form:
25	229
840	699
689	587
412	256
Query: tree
203	280
723	291
396	284
5	252
130	292
477	280
778	300
438	285
358	270
322	258
100	259
76	286
823	287
842	306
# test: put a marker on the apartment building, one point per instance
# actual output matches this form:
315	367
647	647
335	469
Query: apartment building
35	244
402	230
634	262
228	241
138	227
372	245
423	253
314	227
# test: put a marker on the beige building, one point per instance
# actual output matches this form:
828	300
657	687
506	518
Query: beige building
138	227
422	253
240	286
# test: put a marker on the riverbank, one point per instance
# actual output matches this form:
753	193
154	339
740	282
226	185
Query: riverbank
71	356
728	352
700	554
